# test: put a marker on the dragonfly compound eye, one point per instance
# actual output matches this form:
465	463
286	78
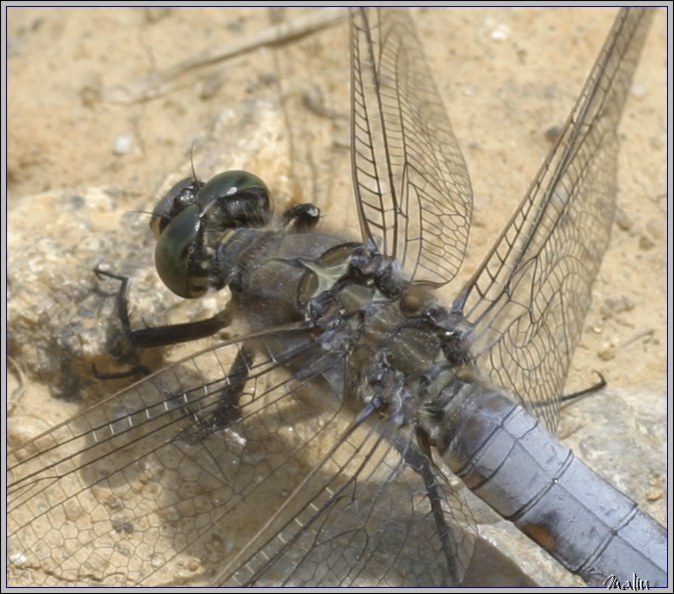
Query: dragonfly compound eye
181	195
235	199
192	214
177	254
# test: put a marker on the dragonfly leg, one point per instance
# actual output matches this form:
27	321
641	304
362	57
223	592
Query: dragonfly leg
450	536
567	399
228	407
586	391
162	335
303	217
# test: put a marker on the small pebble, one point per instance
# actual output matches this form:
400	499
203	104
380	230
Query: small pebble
646	243
552	134
123	144
623	220
654	494
614	305
500	32
656	228
607	354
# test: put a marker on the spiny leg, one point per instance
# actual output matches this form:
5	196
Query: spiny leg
303	217
163	335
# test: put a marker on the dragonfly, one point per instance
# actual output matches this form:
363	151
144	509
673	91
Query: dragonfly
229	424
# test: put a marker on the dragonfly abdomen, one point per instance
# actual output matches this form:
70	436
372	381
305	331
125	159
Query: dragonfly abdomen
509	459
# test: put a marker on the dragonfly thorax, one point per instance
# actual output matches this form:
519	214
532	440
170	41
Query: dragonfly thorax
409	348
401	346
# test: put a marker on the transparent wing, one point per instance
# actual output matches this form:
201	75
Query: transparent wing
221	454
363	517
530	296
412	186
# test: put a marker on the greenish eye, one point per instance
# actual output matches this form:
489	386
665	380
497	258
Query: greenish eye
181	195
193	215
236	199
175	251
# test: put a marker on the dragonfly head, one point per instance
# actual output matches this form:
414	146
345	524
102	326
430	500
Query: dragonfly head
191	217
